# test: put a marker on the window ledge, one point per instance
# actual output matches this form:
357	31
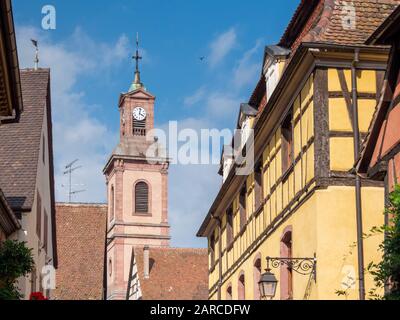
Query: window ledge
141	214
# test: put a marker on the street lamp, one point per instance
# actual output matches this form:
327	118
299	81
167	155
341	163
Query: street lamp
267	284
268	281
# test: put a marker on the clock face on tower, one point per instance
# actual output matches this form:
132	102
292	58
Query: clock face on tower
139	114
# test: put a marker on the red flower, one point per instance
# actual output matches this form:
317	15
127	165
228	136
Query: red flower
37	296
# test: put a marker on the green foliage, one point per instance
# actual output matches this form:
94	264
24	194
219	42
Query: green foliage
16	260
387	272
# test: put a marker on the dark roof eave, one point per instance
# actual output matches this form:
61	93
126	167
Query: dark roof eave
13	55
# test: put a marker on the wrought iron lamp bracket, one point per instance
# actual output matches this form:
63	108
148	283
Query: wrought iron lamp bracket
303	266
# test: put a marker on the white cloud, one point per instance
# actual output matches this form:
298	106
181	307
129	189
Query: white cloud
223	104
78	134
247	68
195	97
192	190
221	46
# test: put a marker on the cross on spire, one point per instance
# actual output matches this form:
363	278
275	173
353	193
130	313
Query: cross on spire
137	57
136	83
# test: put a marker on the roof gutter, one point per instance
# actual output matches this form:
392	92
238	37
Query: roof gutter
11	47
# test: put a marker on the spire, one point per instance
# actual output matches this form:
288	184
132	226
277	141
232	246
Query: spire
136	83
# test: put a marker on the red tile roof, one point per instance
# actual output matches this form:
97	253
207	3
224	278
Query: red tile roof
175	274
369	16
81	242
20	142
322	21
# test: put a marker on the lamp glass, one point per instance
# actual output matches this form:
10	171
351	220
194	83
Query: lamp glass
267	285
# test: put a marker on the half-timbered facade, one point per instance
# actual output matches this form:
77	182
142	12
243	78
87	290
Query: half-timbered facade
302	198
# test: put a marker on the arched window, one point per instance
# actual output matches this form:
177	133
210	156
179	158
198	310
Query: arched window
241	288
141	197
257	276
229	293
112	204
286	272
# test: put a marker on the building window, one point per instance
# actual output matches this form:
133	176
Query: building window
112	204
242	204
139	127
110	267
229	225
258	185
46	234
212	250
39	215
241	287
245	131
287	143
141	197
229	293
44	150
257	276
272	79
286	282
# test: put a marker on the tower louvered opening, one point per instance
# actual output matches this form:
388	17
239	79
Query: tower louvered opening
139	127
142	197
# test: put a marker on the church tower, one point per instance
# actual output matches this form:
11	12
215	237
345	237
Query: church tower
137	187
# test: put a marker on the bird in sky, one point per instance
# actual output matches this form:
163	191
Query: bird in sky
202	58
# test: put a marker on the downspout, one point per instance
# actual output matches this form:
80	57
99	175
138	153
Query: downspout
387	203
356	134
219	222
105	263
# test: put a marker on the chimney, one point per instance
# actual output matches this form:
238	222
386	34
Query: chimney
146	262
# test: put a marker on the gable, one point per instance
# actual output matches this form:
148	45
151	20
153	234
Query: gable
20	142
137	94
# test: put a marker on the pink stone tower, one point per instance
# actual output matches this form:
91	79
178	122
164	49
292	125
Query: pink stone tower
137	187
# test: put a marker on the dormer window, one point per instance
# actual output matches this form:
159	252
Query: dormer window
245	131
247	112
227	162
272	78
273	56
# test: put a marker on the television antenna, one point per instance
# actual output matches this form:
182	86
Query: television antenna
70	168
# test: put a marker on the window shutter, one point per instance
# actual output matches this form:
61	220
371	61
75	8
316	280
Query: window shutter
139	127
142	197
46	228
39	216
230	226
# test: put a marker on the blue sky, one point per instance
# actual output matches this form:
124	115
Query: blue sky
90	57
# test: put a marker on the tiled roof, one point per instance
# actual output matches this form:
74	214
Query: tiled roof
175	274
369	16
20	142
325	21
81	242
